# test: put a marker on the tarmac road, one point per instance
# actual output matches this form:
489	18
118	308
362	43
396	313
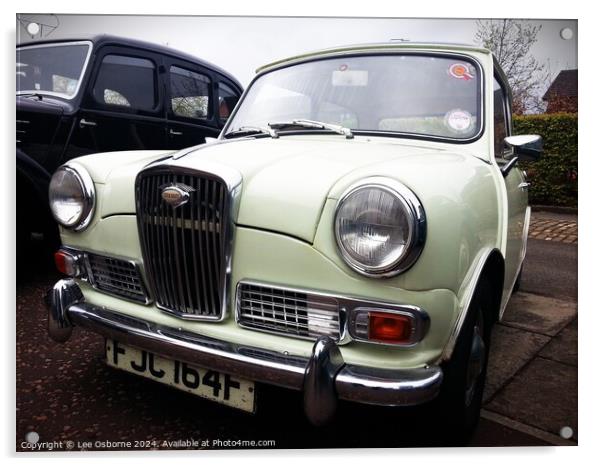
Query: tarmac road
67	393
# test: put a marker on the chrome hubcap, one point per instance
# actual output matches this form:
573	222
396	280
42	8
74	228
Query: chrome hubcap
476	361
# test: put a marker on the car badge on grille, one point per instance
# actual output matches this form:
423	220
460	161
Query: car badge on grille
176	194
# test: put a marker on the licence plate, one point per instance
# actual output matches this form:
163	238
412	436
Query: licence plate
213	385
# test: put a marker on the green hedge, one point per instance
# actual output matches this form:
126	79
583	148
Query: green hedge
553	177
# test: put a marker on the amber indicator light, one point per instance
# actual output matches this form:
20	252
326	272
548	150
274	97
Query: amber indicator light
391	328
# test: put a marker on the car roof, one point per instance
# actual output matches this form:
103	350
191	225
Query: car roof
107	39
376	47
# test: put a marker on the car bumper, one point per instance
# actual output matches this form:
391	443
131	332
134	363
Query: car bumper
323	377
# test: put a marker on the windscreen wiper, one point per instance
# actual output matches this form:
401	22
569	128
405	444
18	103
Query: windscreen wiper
251	130
314	124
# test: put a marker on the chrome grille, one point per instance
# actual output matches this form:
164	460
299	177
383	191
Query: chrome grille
116	276
281	310
184	247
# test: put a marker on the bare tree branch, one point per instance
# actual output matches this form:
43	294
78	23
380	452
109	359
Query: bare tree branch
511	41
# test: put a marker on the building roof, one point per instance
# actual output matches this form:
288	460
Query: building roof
565	85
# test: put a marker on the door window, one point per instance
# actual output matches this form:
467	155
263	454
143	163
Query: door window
189	93
126	82
500	123
227	99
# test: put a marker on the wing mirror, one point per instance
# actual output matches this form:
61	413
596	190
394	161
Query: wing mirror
526	147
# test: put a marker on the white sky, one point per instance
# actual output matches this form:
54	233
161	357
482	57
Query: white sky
242	44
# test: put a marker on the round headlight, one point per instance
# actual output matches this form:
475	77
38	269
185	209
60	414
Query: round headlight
71	196
380	227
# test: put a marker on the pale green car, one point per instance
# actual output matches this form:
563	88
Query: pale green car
354	233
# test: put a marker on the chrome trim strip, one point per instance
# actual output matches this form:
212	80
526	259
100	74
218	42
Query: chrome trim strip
523	253
233	182
469	288
81	76
416	220
347	305
315	375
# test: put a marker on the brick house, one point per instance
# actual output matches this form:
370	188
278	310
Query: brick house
561	96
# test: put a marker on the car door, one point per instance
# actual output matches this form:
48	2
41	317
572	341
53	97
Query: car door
190	104
516	187
122	108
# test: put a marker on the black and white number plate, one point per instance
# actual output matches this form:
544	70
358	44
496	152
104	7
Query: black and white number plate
213	385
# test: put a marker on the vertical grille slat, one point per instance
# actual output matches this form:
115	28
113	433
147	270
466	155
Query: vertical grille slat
183	247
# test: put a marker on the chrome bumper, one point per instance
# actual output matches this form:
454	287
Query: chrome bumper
323	377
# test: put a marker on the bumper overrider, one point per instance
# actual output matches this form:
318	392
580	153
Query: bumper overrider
323	377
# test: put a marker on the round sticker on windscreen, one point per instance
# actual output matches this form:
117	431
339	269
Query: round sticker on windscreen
458	120
460	71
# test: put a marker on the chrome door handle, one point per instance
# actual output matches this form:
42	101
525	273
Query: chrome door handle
175	133
83	122
524	185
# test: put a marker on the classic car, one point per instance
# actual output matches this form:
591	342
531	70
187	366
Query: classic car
82	95
354	233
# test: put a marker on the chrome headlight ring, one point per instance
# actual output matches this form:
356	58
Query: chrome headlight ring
81	199
409	211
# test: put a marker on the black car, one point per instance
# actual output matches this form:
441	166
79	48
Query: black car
103	93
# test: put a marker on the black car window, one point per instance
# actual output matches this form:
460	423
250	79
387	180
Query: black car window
126	82
500	126
227	98
189	93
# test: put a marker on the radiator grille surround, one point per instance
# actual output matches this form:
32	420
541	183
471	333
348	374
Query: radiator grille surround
186	248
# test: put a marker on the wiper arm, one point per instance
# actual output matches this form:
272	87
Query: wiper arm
250	130
31	94
315	124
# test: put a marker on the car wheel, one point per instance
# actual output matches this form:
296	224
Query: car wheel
459	403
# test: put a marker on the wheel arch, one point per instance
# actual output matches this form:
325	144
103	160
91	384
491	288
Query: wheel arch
491	267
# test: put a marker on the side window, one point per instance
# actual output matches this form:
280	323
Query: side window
227	99
126	82
189	93
500	126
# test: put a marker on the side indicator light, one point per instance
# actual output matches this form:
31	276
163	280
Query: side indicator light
389	328
67	263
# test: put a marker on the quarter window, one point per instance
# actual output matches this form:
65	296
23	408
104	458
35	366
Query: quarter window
500	126
189	93
227	98
126	82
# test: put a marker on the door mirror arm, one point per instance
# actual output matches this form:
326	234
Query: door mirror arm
508	166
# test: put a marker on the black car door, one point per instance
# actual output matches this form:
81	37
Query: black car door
122	108
190	103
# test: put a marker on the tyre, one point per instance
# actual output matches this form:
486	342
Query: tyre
459	403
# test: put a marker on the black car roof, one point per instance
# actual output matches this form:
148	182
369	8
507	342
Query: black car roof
107	39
